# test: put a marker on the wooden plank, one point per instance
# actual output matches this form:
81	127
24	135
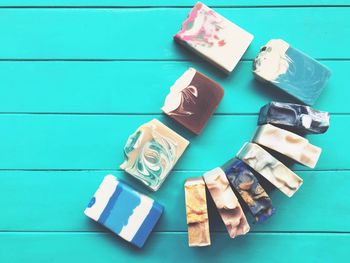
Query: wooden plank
91	247
162	3
108	87
96	142
147	33
55	201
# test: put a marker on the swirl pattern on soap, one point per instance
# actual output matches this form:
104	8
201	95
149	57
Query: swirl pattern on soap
269	167
155	157
182	96
185	96
247	185
226	202
202	28
291	70
304	73
272	61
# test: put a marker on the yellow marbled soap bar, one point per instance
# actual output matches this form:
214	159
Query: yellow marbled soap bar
197	213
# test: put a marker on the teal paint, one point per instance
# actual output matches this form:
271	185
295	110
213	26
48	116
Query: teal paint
92	87
155	3
313	226
117	33
56	141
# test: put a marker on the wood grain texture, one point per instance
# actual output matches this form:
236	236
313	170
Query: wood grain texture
75	82
97	141
91	247
55	201
123	33
109	87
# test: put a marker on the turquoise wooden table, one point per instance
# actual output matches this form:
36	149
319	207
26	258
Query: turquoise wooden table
78	76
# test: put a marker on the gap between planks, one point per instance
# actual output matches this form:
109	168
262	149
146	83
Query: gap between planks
131	60
169	6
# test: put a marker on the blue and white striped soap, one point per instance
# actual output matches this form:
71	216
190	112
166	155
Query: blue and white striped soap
124	211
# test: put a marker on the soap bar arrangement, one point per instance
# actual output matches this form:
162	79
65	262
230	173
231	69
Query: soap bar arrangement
238	176
152	151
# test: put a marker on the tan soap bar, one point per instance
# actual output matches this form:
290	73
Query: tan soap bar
290	144
197	213
226	202
270	168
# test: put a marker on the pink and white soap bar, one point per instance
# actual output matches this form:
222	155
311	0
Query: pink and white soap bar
215	38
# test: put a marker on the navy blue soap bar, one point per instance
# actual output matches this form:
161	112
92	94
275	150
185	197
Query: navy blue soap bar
294	116
246	184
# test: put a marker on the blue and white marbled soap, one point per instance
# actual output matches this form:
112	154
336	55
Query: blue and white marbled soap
247	185
291	70
124	211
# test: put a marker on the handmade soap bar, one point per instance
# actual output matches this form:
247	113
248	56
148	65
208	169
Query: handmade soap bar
270	168
214	37
124	211
295	116
247	185
290	144
151	152
226	202
192	100
197	213
291	70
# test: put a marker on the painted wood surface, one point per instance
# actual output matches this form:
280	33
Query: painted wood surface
109	87
46	141
103	247
54	200
169	3
78	76
123	33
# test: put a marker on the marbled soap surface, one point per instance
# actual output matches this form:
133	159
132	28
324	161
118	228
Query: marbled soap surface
287	143
214	37
247	185
192	100
124	211
196	212
294	116
226	202
270	168
291	70
151	152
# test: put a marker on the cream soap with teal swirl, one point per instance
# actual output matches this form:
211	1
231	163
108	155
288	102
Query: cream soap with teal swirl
151	152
